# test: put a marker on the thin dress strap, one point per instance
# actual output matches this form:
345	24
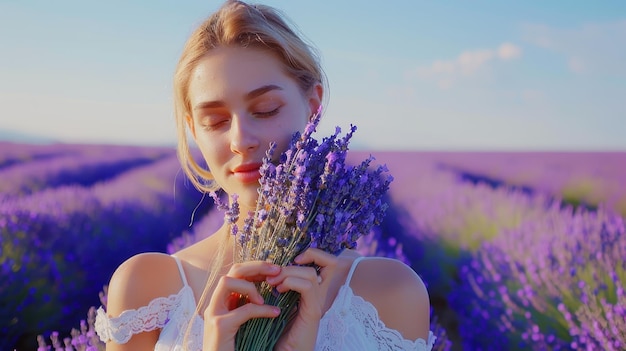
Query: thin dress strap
180	269
353	268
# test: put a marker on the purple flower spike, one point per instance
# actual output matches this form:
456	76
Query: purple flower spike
311	198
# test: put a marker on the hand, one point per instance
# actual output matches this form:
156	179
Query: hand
225	312
301	333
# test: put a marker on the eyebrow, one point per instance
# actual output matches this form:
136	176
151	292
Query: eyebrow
249	96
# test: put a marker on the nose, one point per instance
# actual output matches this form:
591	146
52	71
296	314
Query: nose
243	136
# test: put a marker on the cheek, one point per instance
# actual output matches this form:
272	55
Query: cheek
211	152
295	122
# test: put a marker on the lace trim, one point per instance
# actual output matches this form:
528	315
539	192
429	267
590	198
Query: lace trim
130	322
375	331
387	338
173	336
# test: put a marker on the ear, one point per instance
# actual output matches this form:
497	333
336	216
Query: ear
190	125
315	98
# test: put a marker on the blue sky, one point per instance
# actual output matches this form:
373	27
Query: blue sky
412	75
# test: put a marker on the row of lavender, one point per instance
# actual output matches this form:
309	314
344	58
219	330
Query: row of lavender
491	256
84	165
512	268
69	214
84	338
517	269
581	178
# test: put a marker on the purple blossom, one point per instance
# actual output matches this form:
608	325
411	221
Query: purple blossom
82	339
52	237
443	209
539	306
64	165
312	198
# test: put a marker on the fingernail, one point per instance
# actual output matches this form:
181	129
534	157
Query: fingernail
297	259
275	268
276	310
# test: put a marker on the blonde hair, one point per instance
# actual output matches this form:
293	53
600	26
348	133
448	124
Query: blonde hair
239	24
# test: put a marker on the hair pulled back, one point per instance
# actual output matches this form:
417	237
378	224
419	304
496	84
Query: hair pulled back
238	24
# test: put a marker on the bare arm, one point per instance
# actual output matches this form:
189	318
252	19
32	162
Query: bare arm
135	283
398	294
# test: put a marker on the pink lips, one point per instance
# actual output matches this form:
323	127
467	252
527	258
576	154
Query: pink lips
248	173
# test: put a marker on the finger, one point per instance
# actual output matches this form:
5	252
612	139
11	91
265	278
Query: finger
323	260
298	284
311	296
248	311
253	270
317	256
302	272
232	320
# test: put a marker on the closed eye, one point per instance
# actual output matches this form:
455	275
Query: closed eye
213	122
267	113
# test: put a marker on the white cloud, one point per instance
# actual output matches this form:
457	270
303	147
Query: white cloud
589	48
440	67
468	63
508	51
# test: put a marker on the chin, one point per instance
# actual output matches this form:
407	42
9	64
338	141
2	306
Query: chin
247	199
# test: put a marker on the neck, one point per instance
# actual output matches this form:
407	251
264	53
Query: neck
227	241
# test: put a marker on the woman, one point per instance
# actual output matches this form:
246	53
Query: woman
246	79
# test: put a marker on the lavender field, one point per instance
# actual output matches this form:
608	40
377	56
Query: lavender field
519	250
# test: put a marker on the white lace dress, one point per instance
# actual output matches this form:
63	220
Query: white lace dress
350	324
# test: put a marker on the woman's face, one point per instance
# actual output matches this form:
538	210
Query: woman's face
241	100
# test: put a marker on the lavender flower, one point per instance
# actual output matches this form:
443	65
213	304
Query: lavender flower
311	198
567	294
84	165
60	245
82	339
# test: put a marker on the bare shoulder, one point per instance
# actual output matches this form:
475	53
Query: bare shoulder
141	279
397	292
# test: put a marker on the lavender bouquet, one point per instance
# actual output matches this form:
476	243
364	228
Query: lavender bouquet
311	198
